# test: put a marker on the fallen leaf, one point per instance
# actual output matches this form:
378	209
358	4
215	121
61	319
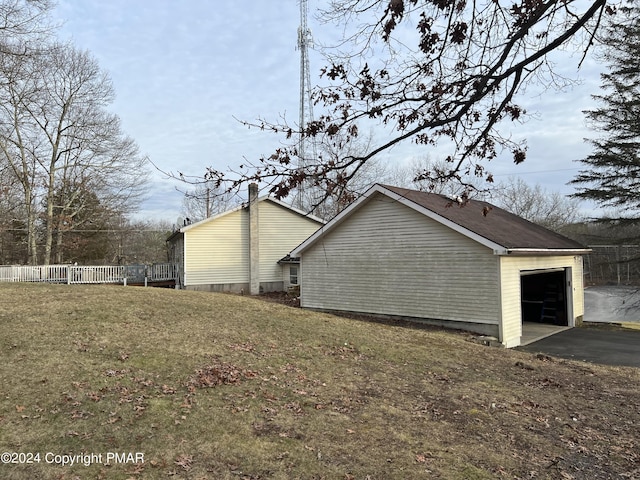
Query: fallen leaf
184	461
167	390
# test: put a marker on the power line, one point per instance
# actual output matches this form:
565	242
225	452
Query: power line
537	171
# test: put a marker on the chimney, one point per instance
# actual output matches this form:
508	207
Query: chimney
254	241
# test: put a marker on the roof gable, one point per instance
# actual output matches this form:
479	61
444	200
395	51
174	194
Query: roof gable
491	226
287	209
491	222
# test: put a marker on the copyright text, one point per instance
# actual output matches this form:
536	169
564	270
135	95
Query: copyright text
69	460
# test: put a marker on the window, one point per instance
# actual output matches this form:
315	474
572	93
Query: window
293	274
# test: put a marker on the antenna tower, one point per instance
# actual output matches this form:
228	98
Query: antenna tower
305	41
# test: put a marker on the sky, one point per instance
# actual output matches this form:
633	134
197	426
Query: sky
185	71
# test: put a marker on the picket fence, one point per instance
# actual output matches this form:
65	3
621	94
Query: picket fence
70	274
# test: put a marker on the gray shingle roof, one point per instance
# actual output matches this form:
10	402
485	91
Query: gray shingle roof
491	222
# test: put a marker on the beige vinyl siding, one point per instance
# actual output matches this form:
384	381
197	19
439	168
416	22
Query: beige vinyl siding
510	268
281	230
389	259
217	252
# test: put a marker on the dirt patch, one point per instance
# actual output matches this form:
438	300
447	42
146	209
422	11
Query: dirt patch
280	297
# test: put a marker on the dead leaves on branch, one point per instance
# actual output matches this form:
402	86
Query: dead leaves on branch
455	86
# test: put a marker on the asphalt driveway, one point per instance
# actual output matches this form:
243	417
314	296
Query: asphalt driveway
604	345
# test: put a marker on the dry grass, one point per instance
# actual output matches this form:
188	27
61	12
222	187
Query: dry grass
219	386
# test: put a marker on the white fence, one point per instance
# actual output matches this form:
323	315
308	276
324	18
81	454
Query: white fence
40	273
88	274
97	274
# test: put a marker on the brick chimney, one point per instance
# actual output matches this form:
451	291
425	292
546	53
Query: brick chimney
254	241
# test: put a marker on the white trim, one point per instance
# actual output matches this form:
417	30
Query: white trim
500	304
526	273
338	219
568	279
211	219
245	205
549	251
184	261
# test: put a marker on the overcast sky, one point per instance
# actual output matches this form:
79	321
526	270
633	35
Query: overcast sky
182	71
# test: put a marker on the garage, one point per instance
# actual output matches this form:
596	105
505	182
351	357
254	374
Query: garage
416	255
545	296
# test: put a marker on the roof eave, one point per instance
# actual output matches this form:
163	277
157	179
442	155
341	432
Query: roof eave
377	188
547	251
288	259
174	235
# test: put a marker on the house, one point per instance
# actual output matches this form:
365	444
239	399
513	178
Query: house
410	254
239	250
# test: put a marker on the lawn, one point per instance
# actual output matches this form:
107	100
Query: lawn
176	384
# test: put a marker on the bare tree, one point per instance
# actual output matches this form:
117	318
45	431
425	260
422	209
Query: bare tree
206	200
78	137
25	29
534	203
108	167
18	138
12	231
411	176
60	142
407	175
144	241
24	26
59	146
330	194
70	89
